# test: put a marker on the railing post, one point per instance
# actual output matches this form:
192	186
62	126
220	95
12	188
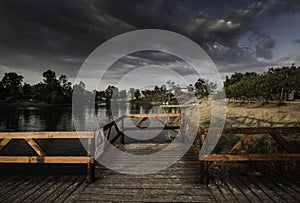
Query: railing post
203	164
91	163
122	137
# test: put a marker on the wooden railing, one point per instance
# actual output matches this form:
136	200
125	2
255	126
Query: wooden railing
187	130
42	157
120	128
248	134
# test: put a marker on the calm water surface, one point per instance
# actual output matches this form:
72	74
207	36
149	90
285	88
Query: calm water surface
53	118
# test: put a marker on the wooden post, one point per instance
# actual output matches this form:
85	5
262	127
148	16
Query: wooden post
91	164
203	164
122	137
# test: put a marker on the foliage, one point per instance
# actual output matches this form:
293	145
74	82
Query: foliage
275	85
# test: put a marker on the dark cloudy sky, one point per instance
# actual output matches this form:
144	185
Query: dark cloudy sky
59	34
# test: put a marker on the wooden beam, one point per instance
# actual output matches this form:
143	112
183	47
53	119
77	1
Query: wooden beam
47	159
253	157
244	141
284	143
153	128
139	124
255	130
152	115
108	133
3	143
35	146
116	137
46	135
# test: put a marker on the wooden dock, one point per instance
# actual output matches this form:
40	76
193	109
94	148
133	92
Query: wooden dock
179	183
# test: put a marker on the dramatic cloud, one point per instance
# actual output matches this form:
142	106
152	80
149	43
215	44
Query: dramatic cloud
296	41
60	34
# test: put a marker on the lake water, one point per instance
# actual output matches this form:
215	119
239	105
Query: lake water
55	118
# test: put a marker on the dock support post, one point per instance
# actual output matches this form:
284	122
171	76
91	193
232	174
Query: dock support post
203	164
91	163
204	172
122	137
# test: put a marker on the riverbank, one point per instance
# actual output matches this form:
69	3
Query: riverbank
254	114
31	104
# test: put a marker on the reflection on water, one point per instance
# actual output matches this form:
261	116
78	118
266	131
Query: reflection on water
55	118
59	118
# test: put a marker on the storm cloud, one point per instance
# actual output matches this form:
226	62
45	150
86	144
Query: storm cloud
60	34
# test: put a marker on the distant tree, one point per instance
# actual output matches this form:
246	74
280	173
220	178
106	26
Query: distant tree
110	91
201	88
11	83
131	92
137	94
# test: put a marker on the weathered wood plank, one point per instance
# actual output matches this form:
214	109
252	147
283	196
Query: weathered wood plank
259	181
215	191
11	185
244	141
62	189
142	198
41	190
58	182
18	190
280	191
284	143
76	187
36	185
46	135
152	115
225	190
35	146
47	159
253	130
3	143
287	187
239	195
141	122
256	189
252	157
245	190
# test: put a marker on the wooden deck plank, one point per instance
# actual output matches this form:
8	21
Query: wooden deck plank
30	189
180	183
41	190
267	190
290	183
245	190
142	198
18	189
225	190
59	181
280	191
239	195
72	191
62	189
11	184
256	189
287	188
216	192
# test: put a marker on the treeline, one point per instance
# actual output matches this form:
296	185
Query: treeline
51	90
274	85
59	90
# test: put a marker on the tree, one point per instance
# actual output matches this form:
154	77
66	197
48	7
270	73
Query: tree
201	88
131	92
137	94
11	83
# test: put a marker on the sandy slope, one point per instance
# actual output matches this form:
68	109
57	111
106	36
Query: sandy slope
254	114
